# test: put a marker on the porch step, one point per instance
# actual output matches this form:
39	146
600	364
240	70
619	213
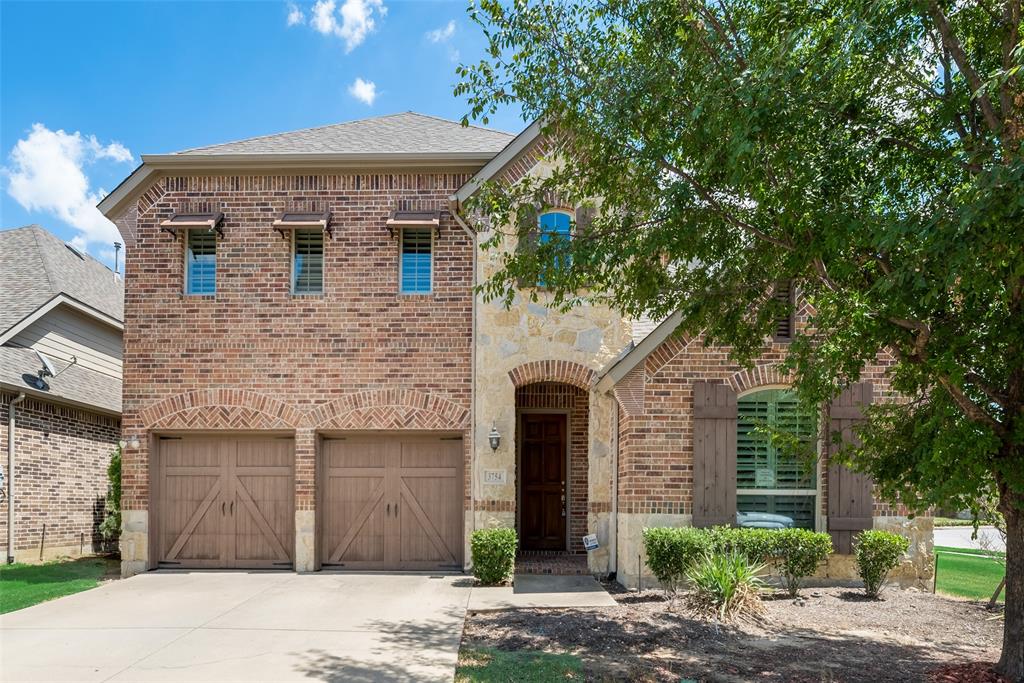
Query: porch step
556	563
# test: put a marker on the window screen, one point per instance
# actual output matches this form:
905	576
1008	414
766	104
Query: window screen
414	271
201	262
308	261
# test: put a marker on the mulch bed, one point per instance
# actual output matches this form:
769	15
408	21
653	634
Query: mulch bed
829	634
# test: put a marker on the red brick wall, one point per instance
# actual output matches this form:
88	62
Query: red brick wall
61	458
255	357
555	396
656	440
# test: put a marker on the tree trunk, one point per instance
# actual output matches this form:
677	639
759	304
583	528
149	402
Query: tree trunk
1011	664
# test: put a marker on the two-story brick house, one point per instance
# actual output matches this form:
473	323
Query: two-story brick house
310	381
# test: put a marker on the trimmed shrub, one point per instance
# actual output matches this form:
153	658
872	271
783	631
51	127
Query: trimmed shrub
757	545
494	554
877	553
672	551
725	586
797	554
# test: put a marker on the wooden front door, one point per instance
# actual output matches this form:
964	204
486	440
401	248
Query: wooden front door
226	502
392	502
543	485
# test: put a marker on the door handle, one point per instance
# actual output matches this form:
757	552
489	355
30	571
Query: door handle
389	510
232	508
396	509
222	505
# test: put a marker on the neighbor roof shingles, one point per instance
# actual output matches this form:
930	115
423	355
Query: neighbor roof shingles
405	133
36	266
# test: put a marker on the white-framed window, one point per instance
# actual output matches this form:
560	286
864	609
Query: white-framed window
201	262
770	476
307	261
415	268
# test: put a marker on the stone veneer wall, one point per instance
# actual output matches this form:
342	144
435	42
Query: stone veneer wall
60	478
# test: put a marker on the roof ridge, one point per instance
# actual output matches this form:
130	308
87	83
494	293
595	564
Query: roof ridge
42	261
337	124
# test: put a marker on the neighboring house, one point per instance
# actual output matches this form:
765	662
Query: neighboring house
313	384
57	301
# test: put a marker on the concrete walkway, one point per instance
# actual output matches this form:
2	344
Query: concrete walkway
960	537
235	626
541	590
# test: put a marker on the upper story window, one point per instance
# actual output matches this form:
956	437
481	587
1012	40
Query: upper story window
555	226
307	261
201	262
415	261
770	477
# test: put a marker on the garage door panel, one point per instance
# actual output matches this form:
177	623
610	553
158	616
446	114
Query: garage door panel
392	502
226	502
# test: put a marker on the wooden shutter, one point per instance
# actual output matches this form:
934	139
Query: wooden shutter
714	454
584	218
850	494
528	229
784	324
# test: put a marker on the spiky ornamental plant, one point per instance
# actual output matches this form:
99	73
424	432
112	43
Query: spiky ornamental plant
870	150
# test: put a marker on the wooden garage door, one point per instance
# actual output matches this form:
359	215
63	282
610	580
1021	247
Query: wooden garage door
226	502
392	502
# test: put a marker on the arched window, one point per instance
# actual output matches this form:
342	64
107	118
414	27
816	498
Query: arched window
776	472
555	225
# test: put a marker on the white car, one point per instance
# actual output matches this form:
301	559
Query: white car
763	520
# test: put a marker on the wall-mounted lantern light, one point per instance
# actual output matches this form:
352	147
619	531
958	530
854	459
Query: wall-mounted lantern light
494	438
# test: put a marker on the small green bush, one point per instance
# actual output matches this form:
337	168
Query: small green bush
797	554
757	545
672	551
725	586
110	527
877	553
494	554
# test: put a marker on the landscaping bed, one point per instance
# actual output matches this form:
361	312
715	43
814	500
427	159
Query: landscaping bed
829	634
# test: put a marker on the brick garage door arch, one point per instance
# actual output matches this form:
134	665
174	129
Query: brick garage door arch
565	371
220	409
389	409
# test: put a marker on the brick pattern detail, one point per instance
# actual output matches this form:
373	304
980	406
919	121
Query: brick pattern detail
389	409
554	396
495	506
564	371
255	357
60	474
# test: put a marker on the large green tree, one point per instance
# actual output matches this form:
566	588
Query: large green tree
870	151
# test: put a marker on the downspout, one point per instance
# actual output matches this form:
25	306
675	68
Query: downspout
453	207
10	475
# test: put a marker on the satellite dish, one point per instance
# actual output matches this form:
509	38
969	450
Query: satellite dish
48	369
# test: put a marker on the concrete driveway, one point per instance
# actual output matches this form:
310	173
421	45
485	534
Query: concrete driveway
960	537
212	626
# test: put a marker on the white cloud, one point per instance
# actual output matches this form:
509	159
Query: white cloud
364	91
295	15
441	35
357	19
46	174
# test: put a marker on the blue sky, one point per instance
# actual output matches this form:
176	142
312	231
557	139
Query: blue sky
86	87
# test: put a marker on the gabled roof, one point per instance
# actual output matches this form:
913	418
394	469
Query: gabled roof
36	268
397	140
636	355
405	133
513	149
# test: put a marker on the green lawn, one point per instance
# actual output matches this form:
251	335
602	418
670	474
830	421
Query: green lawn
23	585
487	665
952	521
967	573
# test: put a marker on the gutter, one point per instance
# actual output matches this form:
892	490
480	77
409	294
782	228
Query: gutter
453	208
10	475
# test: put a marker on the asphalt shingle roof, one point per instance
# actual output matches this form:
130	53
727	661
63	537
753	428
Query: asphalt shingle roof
76	384
35	266
405	133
